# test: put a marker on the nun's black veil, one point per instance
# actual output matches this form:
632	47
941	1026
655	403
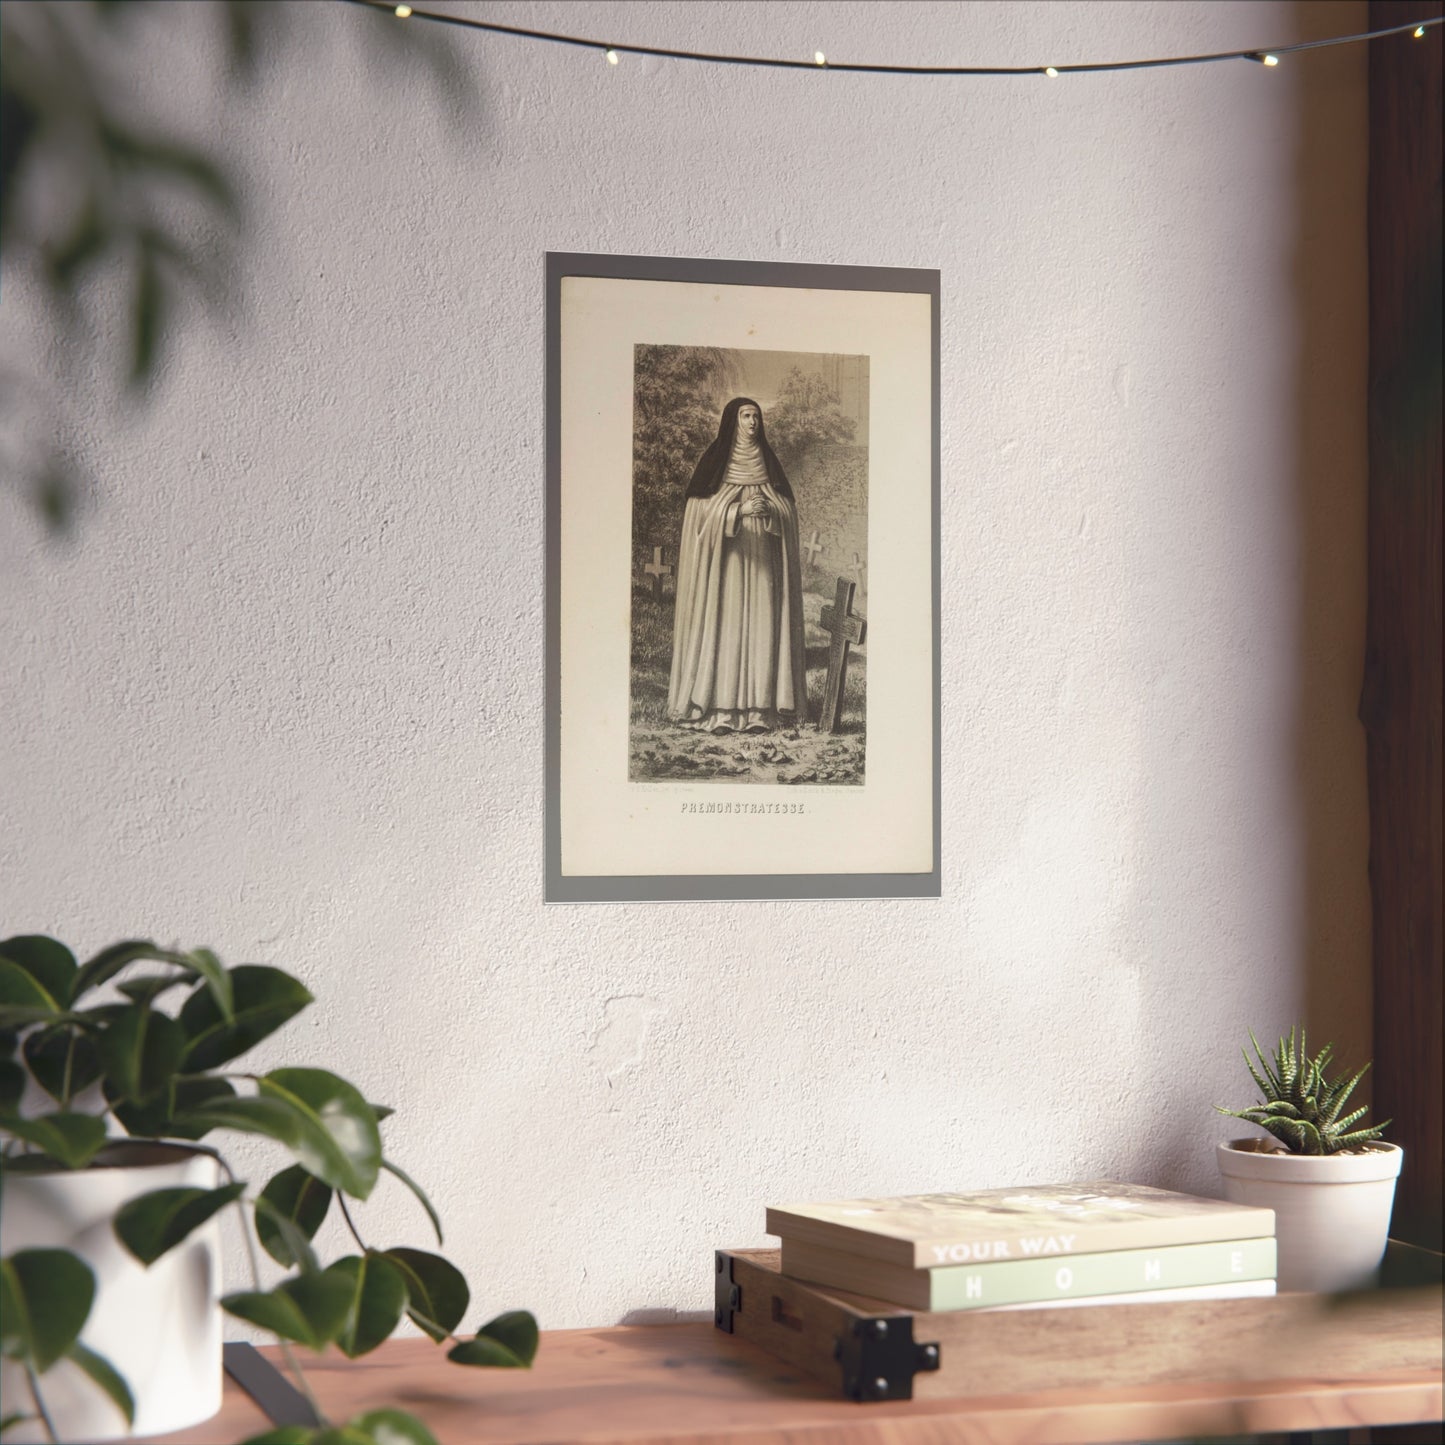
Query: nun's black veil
711	469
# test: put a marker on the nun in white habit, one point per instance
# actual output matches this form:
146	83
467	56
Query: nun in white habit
737	637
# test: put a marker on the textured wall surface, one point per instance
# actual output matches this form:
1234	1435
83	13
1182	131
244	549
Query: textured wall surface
281	692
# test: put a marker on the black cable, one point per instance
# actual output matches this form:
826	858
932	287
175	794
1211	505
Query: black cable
1259	54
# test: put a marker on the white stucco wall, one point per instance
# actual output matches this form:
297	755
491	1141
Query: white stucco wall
282	692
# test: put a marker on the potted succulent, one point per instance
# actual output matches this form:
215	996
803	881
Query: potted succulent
1331	1185
113	1086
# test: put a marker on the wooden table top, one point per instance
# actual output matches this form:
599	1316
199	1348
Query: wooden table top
692	1384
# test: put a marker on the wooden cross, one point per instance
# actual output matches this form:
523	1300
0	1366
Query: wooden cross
656	570
861	568
845	628
812	547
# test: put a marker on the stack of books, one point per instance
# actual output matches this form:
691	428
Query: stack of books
1031	1247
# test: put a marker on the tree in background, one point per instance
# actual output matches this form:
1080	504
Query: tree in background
674	420
805	415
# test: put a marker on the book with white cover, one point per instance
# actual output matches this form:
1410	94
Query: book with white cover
924	1231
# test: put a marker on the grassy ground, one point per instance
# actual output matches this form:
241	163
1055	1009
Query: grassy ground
660	749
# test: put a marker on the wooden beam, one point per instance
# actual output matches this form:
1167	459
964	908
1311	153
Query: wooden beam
1400	702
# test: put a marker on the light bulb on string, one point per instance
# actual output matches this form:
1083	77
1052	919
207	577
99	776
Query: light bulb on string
612	57
819	58
402	11
1051	72
1419	32
1271	60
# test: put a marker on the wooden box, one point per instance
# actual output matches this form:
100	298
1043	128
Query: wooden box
871	1350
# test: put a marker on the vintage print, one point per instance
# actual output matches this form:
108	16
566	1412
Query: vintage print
749	554
741	580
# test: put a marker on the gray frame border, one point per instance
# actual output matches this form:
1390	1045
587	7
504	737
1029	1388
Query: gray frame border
654	888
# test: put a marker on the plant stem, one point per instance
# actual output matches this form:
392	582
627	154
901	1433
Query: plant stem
346	1215
291	1361
69	1072
39	1403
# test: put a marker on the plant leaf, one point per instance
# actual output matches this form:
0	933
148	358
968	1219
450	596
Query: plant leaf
507	1342
141	1051
14	1322
392	1427
310	1310
104	1374
296	1243
46	1296
437	1293
47	1052
73	1139
280	1116
50	964
298	1197
1360	1136
23	999
264	998
378	1296
416	1189
148	989
210	968
340	1143
109	962
12	1086
11	1421
269	1117
151	1224
165	1115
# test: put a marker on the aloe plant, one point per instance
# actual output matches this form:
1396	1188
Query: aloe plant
169	1073
1302	1108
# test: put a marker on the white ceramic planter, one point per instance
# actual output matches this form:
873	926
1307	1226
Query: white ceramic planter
1331	1212
160	1327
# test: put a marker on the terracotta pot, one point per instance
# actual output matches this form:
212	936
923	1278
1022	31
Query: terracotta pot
160	1327
1331	1211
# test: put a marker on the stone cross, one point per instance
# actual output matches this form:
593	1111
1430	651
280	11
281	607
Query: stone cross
656	570
812	547
845	628
860	567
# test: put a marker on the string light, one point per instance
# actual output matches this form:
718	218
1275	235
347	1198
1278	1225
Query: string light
1260	56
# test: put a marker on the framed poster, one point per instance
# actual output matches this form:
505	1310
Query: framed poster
742	580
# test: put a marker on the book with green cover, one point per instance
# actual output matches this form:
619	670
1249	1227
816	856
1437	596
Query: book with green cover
1029	1281
924	1231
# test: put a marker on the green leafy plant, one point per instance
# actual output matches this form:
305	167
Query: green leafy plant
171	1075
1302	1108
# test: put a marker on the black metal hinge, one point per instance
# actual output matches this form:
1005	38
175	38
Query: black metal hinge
880	1358
727	1296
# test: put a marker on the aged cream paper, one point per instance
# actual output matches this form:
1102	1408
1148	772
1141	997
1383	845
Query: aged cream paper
611	826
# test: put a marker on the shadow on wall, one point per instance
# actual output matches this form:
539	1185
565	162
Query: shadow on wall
91	187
